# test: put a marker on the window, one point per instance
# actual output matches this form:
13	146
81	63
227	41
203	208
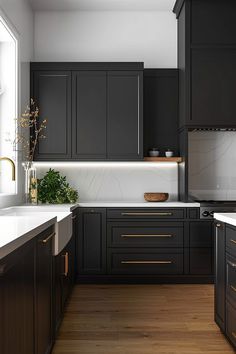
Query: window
8	104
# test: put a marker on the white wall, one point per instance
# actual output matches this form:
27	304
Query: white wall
117	181
107	36
19	14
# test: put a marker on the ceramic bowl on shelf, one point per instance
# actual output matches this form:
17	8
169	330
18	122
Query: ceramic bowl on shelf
154	152
169	153
156	197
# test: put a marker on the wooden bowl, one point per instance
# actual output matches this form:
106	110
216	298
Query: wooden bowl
156	197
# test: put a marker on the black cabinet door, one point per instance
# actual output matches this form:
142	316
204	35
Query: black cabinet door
220	274
213	87
91	245
17	301
125	115
52	93
89	115
43	300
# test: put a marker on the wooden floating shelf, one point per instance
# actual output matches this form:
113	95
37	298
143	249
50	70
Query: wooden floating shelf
163	159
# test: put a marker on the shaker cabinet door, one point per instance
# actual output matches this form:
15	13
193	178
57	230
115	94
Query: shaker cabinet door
89	115
125	115
52	93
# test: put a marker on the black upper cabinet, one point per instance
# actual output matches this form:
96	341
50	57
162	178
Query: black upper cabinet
124	123
94	110
161	110
206	57
52	92
89	114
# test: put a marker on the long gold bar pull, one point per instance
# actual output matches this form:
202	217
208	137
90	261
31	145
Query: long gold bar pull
66	264
146	262
233	241
147	214
48	238
234	334
233	288
144	235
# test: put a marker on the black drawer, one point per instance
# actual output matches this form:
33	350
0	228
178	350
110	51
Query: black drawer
145	234
231	280
231	323
167	262
231	240
146	213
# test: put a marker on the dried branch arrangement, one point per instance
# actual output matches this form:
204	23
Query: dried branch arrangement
26	141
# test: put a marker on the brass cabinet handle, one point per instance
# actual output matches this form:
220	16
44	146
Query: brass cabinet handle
232	264
233	241
66	264
146	262
143	235
233	334
233	288
147	214
48	238
74	217
218	225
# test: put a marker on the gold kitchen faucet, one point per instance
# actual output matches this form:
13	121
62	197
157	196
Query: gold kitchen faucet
12	165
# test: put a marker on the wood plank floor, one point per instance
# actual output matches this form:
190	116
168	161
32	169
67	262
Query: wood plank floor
141	319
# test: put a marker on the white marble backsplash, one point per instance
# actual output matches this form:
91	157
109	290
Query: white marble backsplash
117	181
212	165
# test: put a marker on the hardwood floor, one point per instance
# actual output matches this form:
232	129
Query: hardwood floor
141	319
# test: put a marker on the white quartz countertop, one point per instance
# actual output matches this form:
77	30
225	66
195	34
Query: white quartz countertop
137	205
17	230
228	218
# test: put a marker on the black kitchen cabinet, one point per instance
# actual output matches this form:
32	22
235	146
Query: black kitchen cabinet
89	114
17	301
125	115
161	110
206	57
91	246
94	110
44	293
51	91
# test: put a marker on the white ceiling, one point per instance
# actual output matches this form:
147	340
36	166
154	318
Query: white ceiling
103	5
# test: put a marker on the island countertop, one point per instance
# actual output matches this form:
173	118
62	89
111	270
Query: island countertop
228	218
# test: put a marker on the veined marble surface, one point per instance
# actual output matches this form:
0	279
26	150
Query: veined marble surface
212	162
118	182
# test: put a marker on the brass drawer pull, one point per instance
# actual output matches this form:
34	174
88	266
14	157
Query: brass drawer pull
66	264
48	238
233	288
74	217
146	262
232	264
147	214
140	235
233	334
218	225
233	241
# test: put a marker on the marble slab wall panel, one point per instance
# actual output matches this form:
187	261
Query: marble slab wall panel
117	182
212	165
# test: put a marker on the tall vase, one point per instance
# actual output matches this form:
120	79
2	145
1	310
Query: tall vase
30	183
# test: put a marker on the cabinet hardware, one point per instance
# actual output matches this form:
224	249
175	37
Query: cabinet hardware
140	235
74	217
233	288
48	238
233	334
218	225
146	262
3	268
66	264
233	241
232	264
147	214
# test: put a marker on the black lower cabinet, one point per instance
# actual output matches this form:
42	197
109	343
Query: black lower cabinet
92	241
17	301
225	280
44	293
220	274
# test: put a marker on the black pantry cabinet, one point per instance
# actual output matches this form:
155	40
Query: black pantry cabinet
94	110
206	62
